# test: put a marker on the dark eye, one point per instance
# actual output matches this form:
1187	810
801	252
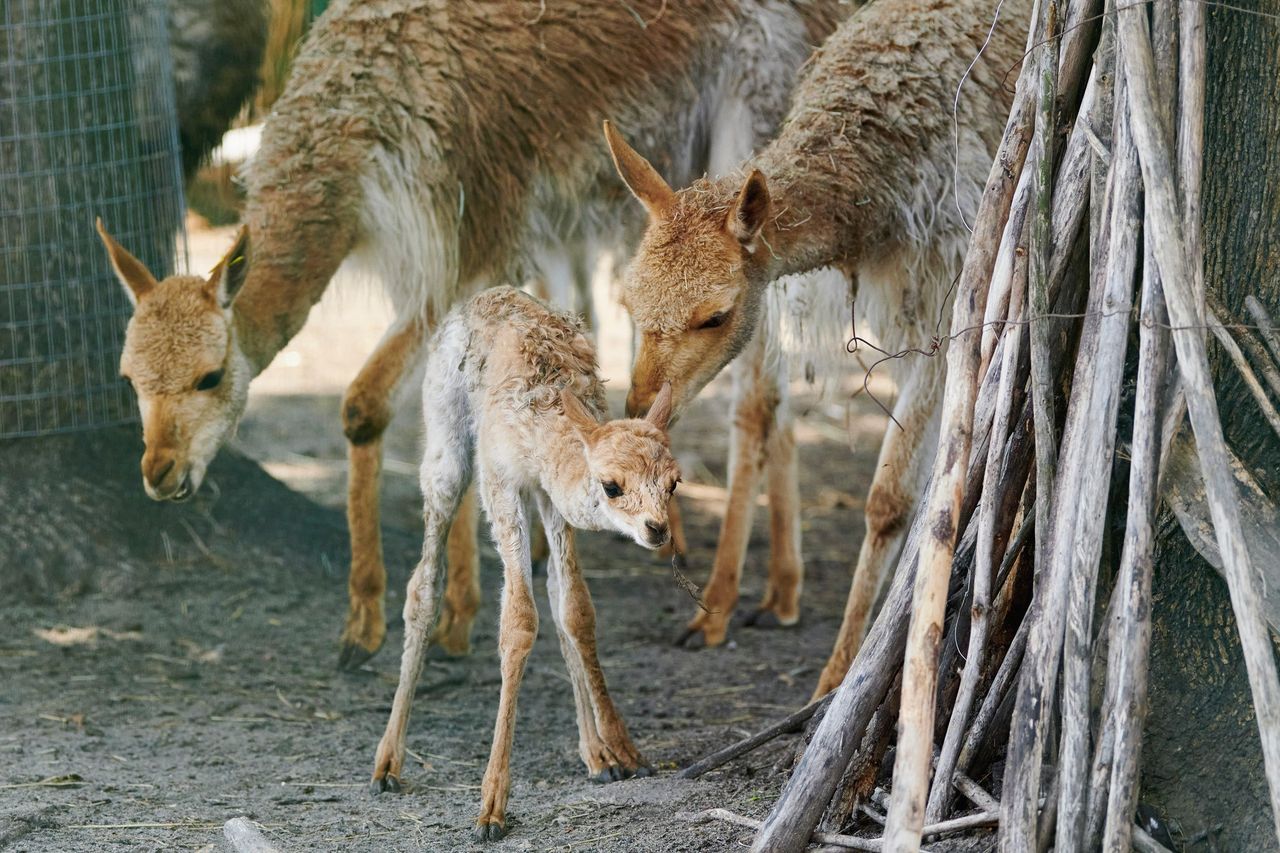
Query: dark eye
672	489
612	489
209	381
715	321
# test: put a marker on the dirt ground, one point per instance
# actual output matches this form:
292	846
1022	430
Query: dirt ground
178	669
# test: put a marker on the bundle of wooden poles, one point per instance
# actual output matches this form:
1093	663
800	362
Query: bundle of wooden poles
986	645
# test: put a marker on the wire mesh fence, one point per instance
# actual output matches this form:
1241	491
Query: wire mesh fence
87	129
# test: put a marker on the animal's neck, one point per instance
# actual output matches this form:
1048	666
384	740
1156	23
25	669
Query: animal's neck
821	215
564	475
291	265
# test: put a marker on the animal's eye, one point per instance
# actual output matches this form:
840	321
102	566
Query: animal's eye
671	490
209	381
612	489
715	321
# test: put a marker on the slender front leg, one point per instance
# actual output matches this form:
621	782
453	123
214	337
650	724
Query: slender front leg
603	740
462	589
781	603
675	522
900	474
517	630
366	411
755	400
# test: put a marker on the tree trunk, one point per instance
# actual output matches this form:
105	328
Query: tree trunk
1202	765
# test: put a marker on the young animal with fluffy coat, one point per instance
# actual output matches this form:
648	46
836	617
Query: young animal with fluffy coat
869	174
512	397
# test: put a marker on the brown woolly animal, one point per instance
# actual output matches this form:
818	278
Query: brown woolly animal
441	145
511	397
868	176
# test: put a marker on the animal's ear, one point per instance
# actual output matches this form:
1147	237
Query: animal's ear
578	414
229	275
660	412
750	210
639	175
133	274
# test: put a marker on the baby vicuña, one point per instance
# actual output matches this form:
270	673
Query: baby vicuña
511	396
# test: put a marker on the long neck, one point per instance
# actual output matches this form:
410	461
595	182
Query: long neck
819	220
563	473
302	207
287	276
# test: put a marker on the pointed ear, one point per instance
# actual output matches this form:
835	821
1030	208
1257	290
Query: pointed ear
660	412
578	414
750	210
229	275
133	274
638	174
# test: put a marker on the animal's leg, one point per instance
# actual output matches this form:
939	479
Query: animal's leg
781	603
462	589
446	476
366	411
900	474
516	633
755	399
675	523
603	740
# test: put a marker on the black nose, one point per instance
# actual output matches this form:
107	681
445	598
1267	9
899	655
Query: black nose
657	531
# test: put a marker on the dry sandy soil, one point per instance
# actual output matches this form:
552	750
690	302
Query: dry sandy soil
180	670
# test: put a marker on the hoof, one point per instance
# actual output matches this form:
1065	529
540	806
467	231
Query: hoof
644	771
488	832
353	656
692	639
387	784
613	773
764	619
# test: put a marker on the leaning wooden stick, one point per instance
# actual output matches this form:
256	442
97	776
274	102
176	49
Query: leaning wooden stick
790	723
1176	272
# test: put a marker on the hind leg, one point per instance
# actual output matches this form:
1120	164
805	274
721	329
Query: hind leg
462	589
446	476
781	602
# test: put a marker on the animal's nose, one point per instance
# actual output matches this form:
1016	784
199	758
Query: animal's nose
155	468
657	532
636	404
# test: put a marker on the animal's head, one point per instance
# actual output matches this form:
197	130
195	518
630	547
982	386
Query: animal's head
630	463
181	357
695	284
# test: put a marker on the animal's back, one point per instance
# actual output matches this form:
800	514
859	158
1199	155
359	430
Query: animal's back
433	131
525	352
875	111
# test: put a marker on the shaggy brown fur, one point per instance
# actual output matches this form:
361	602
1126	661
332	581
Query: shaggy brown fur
866	176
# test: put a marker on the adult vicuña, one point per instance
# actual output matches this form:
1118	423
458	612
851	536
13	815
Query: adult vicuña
441	144
511	396
868	176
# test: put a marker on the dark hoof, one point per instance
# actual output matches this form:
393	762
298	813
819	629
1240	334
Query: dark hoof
488	832
387	784
643	771
692	639
612	774
353	656
763	619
